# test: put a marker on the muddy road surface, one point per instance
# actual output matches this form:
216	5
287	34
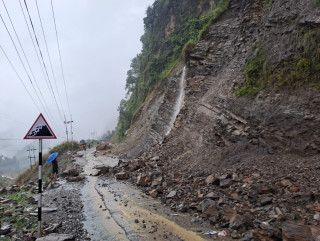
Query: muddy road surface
116	210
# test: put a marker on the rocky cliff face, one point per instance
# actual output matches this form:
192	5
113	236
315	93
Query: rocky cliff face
217	123
214	120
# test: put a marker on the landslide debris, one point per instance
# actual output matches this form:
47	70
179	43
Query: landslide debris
269	198
61	208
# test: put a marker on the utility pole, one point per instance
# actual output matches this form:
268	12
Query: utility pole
71	128
34	156
31	157
66	123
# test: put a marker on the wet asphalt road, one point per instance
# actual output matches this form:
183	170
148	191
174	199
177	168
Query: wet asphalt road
117	211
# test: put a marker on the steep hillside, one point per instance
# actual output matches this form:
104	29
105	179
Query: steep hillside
170	27
252	88
243	153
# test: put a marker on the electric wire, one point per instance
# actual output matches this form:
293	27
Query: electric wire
35	48
25	87
23	124
45	67
24	67
45	41
34	78
4	139
38	57
62	70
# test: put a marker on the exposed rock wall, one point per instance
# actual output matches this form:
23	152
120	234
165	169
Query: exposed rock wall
215	126
150	123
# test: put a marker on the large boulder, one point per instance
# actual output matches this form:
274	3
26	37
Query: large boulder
103	146
71	171
103	169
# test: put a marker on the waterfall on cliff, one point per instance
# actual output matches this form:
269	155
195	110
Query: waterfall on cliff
179	101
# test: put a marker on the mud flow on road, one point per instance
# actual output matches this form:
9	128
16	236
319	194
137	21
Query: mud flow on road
118	211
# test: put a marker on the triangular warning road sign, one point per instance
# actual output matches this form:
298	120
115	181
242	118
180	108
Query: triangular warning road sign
40	130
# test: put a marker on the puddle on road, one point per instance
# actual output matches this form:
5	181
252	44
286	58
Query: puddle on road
123	215
128	204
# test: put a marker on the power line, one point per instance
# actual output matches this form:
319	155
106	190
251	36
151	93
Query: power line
45	41
64	81
38	57
45	67
19	77
22	62
4	139
34	46
45	109
24	67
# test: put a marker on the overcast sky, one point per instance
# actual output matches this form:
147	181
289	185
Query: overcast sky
98	39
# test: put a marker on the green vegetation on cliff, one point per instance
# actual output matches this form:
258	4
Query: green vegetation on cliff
302	69
172	29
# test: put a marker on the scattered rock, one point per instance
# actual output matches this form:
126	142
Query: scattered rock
286	183
103	169
143	180
122	176
266	200
294	231
75	179
210	179
5	229
70	171
95	172
56	237
103	146
172	194
156	182
154	193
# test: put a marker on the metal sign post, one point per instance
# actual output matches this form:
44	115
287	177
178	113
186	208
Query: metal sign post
40	188
40	130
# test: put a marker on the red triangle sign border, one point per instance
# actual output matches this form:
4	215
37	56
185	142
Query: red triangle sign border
40	137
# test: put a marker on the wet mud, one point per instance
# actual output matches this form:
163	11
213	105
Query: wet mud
116	210
102	208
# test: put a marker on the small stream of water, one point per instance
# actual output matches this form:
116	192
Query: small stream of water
179	101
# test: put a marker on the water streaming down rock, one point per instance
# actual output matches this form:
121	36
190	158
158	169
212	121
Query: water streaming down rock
179	101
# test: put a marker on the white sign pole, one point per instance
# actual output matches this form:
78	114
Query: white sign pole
40	130
40	188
